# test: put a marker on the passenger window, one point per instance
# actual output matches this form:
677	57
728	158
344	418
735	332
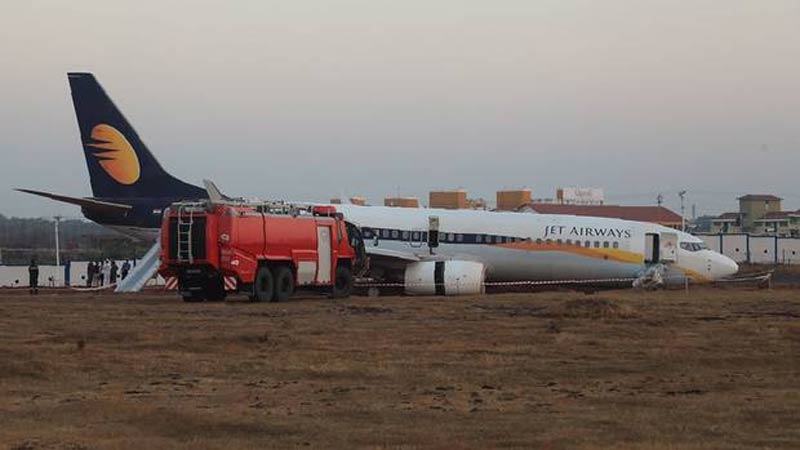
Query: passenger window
395	234
558	241
569	241
415	235
539	242
405	235
588	244
478	238
577	243
605	244
385	233
596	244
549	241
616	244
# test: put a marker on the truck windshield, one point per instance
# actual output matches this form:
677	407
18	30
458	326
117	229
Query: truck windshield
357	242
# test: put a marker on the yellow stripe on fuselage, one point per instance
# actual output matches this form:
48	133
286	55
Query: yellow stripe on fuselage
612	254
695	276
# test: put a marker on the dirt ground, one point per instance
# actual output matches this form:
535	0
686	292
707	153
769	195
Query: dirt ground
620	369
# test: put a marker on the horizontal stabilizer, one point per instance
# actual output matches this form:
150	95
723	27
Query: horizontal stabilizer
83	202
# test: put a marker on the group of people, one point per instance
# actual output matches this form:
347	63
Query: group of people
101	273
98	273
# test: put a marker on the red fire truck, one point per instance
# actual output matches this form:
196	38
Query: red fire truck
265	250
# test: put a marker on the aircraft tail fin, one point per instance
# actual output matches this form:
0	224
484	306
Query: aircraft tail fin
120	164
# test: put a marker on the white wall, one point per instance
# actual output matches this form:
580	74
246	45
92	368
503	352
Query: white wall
734	246
761	248
789	251
712	241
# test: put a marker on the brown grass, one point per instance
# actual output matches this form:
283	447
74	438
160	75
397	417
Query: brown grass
711	369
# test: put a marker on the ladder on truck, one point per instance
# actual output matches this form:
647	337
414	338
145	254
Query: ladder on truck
183	231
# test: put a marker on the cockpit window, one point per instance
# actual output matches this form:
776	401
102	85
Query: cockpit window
693	246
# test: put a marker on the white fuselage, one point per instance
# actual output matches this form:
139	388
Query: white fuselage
525	246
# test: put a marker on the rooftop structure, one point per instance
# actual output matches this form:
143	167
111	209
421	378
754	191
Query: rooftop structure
456	199
401	202
511	200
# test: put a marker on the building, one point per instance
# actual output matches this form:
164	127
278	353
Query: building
580	195
360	201
758	214
401	202
654	214
512	200
357	200
476	203
456	199
755	206
729	222
778	223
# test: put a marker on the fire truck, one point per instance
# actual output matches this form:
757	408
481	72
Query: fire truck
265	249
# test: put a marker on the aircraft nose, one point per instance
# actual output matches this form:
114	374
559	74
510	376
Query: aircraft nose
727	266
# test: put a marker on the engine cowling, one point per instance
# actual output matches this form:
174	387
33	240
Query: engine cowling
445	278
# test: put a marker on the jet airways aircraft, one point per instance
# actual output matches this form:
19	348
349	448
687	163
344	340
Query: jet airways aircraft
427	250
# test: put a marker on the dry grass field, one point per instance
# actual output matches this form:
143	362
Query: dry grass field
708	369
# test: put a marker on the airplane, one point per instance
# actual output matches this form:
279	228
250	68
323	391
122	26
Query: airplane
429	251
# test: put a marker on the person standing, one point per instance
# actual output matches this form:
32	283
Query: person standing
67	274
33	277
113	272
100	273
90	270
126	267
107	272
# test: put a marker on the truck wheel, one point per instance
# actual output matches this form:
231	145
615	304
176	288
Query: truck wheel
284	283
264	286
343	282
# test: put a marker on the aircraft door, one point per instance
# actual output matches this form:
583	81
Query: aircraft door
669	247
433	232
652	248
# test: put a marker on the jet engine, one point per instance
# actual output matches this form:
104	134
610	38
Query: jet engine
445	278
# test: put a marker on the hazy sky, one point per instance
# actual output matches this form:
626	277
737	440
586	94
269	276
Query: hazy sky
310	99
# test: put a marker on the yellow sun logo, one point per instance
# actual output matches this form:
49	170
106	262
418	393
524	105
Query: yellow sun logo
117	157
